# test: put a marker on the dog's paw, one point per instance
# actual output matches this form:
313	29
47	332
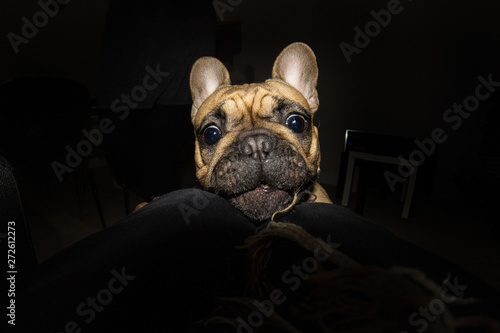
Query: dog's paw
142	204
139	206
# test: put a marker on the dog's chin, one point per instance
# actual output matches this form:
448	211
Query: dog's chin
260	203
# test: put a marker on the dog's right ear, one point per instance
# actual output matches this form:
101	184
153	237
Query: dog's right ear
207	75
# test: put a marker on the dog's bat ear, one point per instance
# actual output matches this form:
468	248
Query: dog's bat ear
207	74
296	65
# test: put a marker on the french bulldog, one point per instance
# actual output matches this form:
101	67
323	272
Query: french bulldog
256	144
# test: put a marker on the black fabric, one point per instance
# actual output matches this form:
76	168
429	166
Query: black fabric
161	268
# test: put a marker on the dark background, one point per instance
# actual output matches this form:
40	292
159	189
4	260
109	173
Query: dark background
424	61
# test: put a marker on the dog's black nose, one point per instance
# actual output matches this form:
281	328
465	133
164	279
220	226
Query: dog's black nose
258	146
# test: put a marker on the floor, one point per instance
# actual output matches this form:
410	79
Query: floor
57	220
445	228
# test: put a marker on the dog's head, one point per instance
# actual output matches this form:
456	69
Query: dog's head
256	143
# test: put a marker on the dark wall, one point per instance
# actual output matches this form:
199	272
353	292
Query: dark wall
67	45
427	58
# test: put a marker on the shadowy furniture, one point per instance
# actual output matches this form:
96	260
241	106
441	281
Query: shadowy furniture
381	162
41	123
17	236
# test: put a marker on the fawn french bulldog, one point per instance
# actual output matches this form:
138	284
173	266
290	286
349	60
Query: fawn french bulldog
256	144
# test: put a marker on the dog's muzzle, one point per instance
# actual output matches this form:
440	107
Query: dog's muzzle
259	173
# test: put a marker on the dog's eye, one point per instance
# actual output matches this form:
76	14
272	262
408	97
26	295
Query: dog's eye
296	122
212	134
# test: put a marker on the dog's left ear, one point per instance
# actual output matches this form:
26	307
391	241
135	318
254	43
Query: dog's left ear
296	65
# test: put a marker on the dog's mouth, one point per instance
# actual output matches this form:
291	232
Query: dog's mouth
266	188
260	203
263	191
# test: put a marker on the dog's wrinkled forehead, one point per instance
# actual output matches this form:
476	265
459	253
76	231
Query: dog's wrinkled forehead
249	105
294	76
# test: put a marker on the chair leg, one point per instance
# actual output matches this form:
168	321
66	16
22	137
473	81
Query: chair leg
126	199
85	174
80	192
409	201
95	194
342	175
361	191
348	180
404	190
